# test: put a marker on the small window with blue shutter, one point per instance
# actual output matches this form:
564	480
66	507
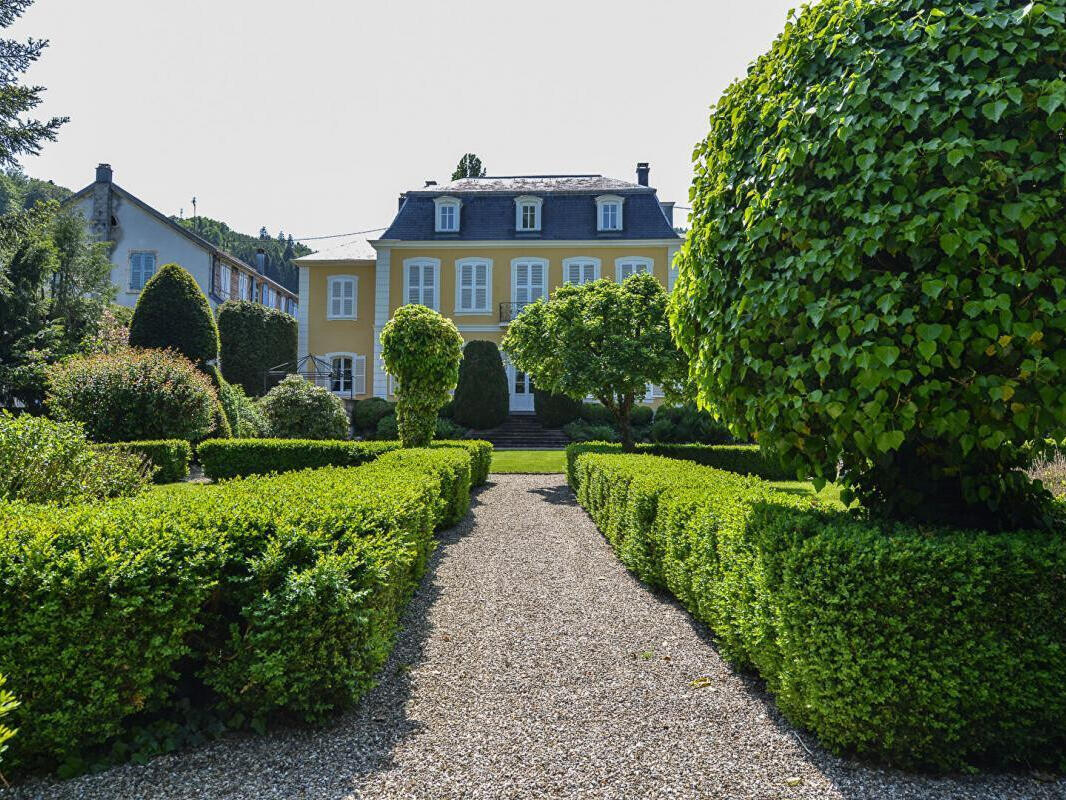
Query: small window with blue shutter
142	267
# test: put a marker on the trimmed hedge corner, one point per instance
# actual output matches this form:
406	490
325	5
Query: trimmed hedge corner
171	456
272	594
921	647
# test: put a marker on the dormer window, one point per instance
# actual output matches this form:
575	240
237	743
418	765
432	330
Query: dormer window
527	213
447	210
609	213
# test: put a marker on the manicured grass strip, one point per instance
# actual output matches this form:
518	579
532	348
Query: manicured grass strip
529	461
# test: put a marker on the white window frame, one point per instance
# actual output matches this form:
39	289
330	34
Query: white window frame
225	279
244	286
421	262
440	203
155	266
358	374
636	261
605	200
334	281
520	205
475	309
529	260
580	261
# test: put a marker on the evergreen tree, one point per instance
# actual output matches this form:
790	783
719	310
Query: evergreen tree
482	400
469	167
172	312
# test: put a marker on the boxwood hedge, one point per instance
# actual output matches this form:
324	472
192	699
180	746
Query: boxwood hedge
170	456
919	646
265	595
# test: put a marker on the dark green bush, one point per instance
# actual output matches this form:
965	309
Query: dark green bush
42	461
275	594
238	458
245	416
641	416
254	339
687	424
597	414
446	429
581	431
874	273
298	409
133	395
170	457
367	413
387	429
224	410
482	398
555	410
172	313
922	647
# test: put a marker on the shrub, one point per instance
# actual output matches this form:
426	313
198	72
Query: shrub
387	428
8	703
687	424
367	413
245	417
923	647
482	397
298	409
172	313
170	457
422	350
280	594
254	339
873	276
133	395
596	414
221	426
555	410
641	416
237	458
581	431
480	453
42	461
446	429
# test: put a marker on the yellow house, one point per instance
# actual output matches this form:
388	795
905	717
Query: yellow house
477	250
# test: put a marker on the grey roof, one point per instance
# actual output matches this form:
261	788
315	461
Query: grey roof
356	249
568	212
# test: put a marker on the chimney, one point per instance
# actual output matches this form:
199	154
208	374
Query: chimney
400	204
100	225
261	260
642	172
668	211
430	183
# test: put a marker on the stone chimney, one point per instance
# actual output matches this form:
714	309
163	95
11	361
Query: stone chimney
100	224
430	183
261	260
668	211
642	172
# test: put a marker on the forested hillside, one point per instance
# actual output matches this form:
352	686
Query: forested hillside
18	191
280	250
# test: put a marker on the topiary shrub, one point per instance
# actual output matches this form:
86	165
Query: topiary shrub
133	395
367	413
874	273
555	410
42	461
173	313
422	350
482	399
297	409
170	457
254	339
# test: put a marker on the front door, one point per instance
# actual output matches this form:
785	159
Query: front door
521	390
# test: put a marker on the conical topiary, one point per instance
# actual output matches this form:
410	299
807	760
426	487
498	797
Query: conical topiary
172	312
482	399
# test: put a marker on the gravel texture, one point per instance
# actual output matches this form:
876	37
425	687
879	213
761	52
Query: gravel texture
533	665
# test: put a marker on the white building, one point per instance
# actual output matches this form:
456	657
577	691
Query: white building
143	239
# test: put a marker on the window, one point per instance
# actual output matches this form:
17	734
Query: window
421	281
225	276
581	270
473	285
269	296
347	374
527	213
342	297
609	213
142	267
244	286
529	281
624	267
447	212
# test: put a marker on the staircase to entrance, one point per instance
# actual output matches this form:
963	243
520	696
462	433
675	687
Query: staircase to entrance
524	432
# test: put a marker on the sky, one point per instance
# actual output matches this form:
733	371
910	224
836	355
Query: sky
312	117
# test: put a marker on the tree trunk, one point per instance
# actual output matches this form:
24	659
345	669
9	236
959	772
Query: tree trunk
623	412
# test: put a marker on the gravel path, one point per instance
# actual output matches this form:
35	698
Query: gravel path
533	665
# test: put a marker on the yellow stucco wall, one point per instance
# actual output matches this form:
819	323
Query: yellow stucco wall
341	335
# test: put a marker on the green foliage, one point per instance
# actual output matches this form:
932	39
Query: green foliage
42	461
298	409
874	270
922	647
366	414
555	410
238	458
244	415
19	192
581	431
422	350
277	594
446	429
169	457
387	428
482	399
8	703
603	339
254	339
469	166
280	251
172	313
133	395
681	424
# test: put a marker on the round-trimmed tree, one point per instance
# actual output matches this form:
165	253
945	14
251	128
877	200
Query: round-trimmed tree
482	399
875	270
422	350
173	313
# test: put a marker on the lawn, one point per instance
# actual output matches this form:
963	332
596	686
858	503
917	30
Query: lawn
528	461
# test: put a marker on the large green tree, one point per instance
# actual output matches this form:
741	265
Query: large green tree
876	271
469	166
173	313
603	339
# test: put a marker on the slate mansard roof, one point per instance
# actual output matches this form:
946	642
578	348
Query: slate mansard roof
568	212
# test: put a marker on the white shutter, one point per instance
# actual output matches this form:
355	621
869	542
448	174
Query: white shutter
466	287
624	272
348	298
429	288
481	287
590	273
414	283
536	281
359	375
521	288
573	273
